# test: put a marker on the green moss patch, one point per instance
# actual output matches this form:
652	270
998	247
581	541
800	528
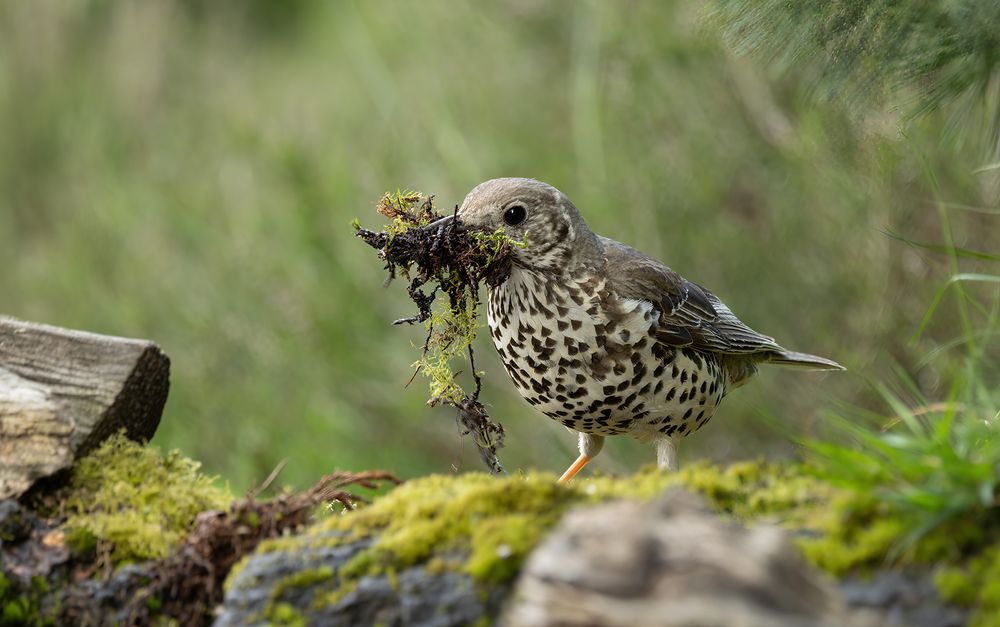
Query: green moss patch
131	503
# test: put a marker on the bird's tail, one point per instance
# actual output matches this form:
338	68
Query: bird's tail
802	360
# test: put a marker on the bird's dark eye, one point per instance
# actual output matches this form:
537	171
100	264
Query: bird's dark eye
514	215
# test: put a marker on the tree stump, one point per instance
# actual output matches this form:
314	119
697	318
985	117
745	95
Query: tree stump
62	392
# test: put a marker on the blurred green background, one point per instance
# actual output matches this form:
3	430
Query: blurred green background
188	172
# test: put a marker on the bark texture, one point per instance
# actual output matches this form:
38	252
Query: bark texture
62	392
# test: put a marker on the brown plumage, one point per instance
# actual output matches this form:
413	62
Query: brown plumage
604	338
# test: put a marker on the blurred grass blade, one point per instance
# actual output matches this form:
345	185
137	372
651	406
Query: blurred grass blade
987	168
936	301
972	208
956	251
904	413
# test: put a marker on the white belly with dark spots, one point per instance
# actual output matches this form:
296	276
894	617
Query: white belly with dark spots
590	361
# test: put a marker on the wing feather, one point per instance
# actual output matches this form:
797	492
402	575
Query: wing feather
690	315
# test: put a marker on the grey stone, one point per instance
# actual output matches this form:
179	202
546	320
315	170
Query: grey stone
902	600
671	563
413	597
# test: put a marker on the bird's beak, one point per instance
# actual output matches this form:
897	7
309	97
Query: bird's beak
439	225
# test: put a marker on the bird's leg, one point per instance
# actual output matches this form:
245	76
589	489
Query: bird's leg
666	454
590	445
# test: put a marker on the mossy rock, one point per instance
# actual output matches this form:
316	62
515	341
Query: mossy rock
459	543
447	549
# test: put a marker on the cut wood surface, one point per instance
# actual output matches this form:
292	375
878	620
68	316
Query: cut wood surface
62	392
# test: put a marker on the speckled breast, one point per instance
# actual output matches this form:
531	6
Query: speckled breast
591	360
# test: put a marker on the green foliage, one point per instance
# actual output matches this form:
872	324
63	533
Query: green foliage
129	502
399	203
941	464
925	488
926	54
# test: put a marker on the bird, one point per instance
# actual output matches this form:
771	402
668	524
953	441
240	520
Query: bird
603	338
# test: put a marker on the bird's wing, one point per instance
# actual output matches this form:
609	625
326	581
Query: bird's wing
690	315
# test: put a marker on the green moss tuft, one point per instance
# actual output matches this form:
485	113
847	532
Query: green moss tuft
955	586
451	331
135	503
843	549
500	544
286	614
476	513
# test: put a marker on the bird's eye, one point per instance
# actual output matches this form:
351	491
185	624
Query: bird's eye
514	215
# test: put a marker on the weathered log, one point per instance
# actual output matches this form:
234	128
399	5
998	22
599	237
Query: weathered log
62	392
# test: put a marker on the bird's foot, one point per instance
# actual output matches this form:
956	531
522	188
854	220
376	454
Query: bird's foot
578	465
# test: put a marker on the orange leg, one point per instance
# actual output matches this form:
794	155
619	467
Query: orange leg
578	465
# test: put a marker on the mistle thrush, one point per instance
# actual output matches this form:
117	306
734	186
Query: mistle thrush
603	338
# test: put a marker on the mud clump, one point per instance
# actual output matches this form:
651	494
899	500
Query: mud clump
437	256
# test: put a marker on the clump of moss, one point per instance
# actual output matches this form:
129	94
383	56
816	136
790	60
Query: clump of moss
852	535
454	262
857	532
745	490
129	502
286	614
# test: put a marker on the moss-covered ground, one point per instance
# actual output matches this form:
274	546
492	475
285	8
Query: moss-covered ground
486	526
128	503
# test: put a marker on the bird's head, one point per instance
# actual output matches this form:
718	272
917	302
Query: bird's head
531	211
